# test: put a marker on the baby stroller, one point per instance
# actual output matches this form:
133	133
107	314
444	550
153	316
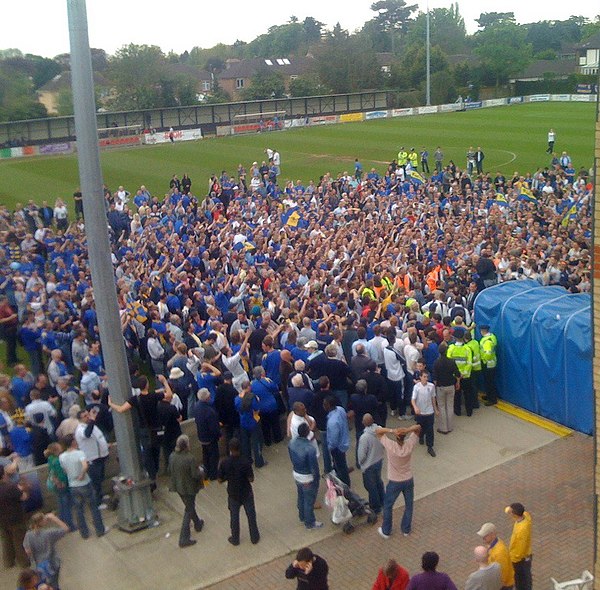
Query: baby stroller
348	508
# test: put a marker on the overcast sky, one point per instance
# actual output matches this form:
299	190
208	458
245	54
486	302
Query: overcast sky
40	26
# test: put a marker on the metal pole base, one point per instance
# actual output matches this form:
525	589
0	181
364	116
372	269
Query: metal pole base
135	510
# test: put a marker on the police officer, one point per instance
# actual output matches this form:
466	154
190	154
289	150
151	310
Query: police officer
476	374
368	291
463	357
402	158
488	344
413	159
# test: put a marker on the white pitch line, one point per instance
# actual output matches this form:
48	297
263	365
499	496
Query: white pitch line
514	157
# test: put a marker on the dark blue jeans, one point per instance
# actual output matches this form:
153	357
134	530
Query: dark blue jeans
65	507
210	457
522	574
234	516
251	443
271	427
307	494
340	465
96	473
189	515
392	491
327	464
83	495
397	396
426	423
150	452
374	486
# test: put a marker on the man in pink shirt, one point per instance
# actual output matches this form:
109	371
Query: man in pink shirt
400	478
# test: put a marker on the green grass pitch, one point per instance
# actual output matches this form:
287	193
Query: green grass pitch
512	137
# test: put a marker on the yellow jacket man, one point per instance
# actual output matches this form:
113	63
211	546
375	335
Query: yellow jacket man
520	545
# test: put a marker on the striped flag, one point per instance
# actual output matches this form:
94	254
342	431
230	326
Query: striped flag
571	215
526	195
415	177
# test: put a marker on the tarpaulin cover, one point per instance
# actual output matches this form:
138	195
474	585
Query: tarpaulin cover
544	349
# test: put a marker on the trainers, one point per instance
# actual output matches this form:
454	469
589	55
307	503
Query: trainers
234	542
431	451
102	506
198	527
382	534
318	525
406	534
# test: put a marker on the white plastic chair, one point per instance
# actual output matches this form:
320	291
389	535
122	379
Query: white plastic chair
586	582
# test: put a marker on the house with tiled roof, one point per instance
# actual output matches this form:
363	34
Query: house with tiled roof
589	55
541	68
238	73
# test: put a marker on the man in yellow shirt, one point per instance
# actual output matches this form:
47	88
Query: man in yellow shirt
520	545
498	553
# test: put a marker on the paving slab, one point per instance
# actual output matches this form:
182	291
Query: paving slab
484	444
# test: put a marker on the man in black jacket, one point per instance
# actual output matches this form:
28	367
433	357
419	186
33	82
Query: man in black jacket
237	472
486	270
309	569
209	432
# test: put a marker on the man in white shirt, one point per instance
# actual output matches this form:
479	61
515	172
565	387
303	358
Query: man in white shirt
277	162
395	376
76	467
92	442
424	403
551	140
89	383
376	345
40	406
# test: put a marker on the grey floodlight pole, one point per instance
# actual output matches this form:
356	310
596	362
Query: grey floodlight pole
135	509
428	62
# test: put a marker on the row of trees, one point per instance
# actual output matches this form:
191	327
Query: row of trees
143	76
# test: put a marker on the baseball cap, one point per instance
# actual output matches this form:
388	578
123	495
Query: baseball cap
486	529
312	344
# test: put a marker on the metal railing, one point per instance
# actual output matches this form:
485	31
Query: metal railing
205	116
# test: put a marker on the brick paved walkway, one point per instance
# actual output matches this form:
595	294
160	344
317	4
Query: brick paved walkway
555	483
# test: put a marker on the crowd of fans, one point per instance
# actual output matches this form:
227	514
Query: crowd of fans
260	287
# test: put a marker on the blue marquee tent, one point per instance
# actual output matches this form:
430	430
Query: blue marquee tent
544	349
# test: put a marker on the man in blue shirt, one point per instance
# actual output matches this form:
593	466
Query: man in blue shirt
303	455
338	437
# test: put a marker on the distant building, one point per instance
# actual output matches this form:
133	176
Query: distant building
589	55
385	61
538	70
202	78
49	93
238	73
